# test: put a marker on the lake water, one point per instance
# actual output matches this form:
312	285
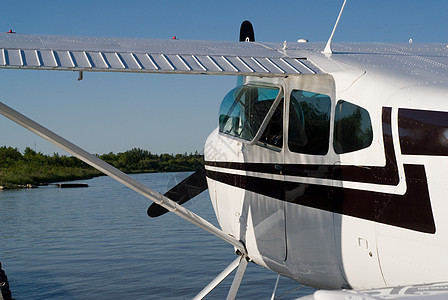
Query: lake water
98	243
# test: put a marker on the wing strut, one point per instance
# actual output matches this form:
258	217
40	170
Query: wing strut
117	175
218	279
275	287
237	279
241	263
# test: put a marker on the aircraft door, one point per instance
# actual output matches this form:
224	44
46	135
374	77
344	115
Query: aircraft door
311	250
262	219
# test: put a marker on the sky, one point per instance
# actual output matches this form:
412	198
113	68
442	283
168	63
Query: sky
114	112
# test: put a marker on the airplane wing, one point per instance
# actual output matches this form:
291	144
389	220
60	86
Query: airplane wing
45	52
434	291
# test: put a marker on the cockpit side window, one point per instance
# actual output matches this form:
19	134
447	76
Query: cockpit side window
244	108
273	133
309	122
352	128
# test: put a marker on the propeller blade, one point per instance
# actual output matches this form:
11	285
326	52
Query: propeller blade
187	189
117	175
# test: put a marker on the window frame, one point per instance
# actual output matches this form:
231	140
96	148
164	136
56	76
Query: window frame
266	119
270	146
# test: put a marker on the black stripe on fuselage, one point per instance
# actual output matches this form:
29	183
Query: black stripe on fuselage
411	210
423	132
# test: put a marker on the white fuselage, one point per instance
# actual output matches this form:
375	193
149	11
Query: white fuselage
368	211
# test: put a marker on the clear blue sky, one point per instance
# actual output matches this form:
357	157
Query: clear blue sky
174	113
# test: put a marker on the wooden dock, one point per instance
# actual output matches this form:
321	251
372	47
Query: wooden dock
71	185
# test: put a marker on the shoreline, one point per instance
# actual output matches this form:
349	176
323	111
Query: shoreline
32	169
15	186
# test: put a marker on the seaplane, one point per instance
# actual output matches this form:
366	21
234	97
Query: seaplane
328	165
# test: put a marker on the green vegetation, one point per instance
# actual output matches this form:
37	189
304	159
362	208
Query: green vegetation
142	161
36	168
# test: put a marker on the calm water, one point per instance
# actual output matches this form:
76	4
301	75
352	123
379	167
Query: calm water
98	243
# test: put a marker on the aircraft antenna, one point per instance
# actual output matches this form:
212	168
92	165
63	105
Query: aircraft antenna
327	49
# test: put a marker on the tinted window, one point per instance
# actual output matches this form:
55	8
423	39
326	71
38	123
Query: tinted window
243	110
352	128
309	122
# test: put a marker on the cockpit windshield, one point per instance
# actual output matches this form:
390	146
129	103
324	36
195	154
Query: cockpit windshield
244	108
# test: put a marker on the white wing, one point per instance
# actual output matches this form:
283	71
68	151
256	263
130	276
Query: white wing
147	56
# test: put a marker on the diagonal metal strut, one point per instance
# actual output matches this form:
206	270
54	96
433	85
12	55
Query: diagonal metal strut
237	279
218	279
117	175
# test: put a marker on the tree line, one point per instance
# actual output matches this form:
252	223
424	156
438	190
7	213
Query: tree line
143	161
31	167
